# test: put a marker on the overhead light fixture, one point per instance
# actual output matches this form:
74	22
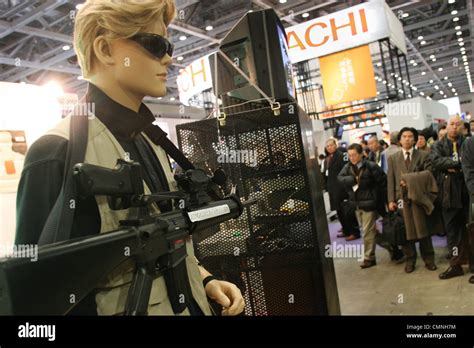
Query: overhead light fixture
451	1
459	33
421	93
420	37
454	12
423	73
461	44
441	92
453	90
80	78
66	48
440	69
379	64
305	15
433	60
460	39
423	42
180	58
431	81
432	56
159	98
182	38
466	63
436	87
412	61
282	1
172	99
455	19
209	27
415	64
457	27
445	77
450	84
455	94
405	15
79	6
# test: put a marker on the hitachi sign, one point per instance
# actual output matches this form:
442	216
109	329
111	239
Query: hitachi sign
355	26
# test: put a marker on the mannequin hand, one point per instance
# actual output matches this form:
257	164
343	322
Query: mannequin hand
227	295
392	206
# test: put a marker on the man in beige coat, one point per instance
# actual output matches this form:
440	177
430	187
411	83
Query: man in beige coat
409	160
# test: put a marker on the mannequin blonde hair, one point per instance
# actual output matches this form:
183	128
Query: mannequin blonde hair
116	19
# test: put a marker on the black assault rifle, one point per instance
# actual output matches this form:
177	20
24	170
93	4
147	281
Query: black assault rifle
65	272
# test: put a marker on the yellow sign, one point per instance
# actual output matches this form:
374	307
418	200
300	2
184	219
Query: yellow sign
348	76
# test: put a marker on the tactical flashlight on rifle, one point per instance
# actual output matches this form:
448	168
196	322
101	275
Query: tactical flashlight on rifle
156	244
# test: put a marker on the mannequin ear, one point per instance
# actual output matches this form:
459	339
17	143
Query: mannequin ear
103	50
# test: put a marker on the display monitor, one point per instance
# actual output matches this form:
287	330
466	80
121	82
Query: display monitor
257	44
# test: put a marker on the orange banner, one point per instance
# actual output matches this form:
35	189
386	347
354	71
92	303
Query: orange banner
348	76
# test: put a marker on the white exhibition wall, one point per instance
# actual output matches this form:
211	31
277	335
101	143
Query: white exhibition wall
33	109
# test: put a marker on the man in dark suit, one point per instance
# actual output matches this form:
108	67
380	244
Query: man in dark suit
446	157
468	169
409	160
333	163
376	150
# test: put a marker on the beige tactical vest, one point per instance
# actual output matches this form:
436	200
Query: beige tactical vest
104	150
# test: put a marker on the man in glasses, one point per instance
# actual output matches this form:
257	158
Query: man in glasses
124	54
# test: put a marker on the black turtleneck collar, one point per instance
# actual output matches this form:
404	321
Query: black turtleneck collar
120	120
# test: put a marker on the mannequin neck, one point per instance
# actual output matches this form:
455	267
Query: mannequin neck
115	91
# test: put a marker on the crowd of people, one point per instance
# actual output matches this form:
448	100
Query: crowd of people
427	177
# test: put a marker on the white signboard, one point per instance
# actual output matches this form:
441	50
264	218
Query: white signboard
194	79
338	31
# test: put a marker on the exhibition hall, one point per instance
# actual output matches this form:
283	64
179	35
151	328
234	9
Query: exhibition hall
237	158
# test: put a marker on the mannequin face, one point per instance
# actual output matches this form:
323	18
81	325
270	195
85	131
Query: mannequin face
138	70
133	70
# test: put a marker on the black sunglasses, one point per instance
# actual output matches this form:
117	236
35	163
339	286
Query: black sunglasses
156	44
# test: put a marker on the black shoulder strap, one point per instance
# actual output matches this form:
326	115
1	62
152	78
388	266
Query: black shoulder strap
58	226
159	137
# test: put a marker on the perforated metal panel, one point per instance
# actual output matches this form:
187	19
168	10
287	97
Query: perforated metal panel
271	252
